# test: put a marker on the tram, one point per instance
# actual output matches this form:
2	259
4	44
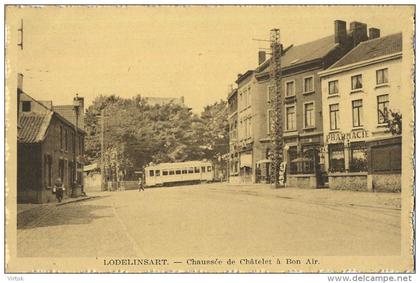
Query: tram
165	174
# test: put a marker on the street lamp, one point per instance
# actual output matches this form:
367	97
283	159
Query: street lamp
76	106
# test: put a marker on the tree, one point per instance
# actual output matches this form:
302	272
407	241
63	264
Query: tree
394	122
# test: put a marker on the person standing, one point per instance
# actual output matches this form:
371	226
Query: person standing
141	184
58	189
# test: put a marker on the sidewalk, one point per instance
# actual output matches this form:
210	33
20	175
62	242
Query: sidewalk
27	212
323	196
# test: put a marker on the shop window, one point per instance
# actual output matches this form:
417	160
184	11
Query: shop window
382	76
292	156
307	160
356	82
358	157
336	157
386	158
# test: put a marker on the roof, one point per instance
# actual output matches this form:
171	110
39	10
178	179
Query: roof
371	49
307	52
244	76
232	93
66	111
33	126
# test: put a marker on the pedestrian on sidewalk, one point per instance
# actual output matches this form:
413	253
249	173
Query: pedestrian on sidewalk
141	184
58	189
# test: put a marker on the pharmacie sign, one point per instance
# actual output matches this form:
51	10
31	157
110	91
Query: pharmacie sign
342	137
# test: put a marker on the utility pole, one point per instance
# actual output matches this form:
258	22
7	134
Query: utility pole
75	140
20	30
277	131
102	151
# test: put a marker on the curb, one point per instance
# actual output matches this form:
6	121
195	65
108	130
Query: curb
76	200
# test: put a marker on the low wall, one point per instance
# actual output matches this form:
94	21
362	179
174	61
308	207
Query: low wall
386	183
301	181
348	181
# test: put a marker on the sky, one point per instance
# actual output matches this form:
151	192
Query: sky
195	52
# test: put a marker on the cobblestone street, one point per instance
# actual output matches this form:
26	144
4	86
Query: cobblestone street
217	219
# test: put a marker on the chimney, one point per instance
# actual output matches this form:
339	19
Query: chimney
340	33
261	57
374	33
80	103
359	32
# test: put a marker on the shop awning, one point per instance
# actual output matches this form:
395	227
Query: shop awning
245	160
264	161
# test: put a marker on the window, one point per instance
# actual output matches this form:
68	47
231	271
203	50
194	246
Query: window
358	157
356	82
178	172
157	173
196	169
270	120
309	109
190	170
208	168
333	87
292	155
290	118
383	102
66	139
357	113
270	92
61	137
151	173
26	106
308	84
382	76
165	172
203	169
386	158
336	157
290	88
171	172
184	171
334	117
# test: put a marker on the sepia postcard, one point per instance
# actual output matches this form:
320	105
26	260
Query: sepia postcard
209	139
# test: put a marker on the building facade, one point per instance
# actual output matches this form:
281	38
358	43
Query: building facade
233	155
49	147
359	92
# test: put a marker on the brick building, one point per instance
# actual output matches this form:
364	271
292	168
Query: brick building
49	146
360	151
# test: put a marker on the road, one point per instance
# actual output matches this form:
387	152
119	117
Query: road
217	219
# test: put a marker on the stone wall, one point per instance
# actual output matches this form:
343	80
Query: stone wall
300	181
386	182
348	182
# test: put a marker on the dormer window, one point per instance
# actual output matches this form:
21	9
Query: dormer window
26	106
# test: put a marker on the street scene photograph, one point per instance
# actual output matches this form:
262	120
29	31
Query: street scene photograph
209	139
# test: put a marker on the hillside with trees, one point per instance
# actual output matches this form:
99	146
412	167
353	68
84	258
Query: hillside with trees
136	134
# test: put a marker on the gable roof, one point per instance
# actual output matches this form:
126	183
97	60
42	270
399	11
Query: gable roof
371	49
33	126
307	52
